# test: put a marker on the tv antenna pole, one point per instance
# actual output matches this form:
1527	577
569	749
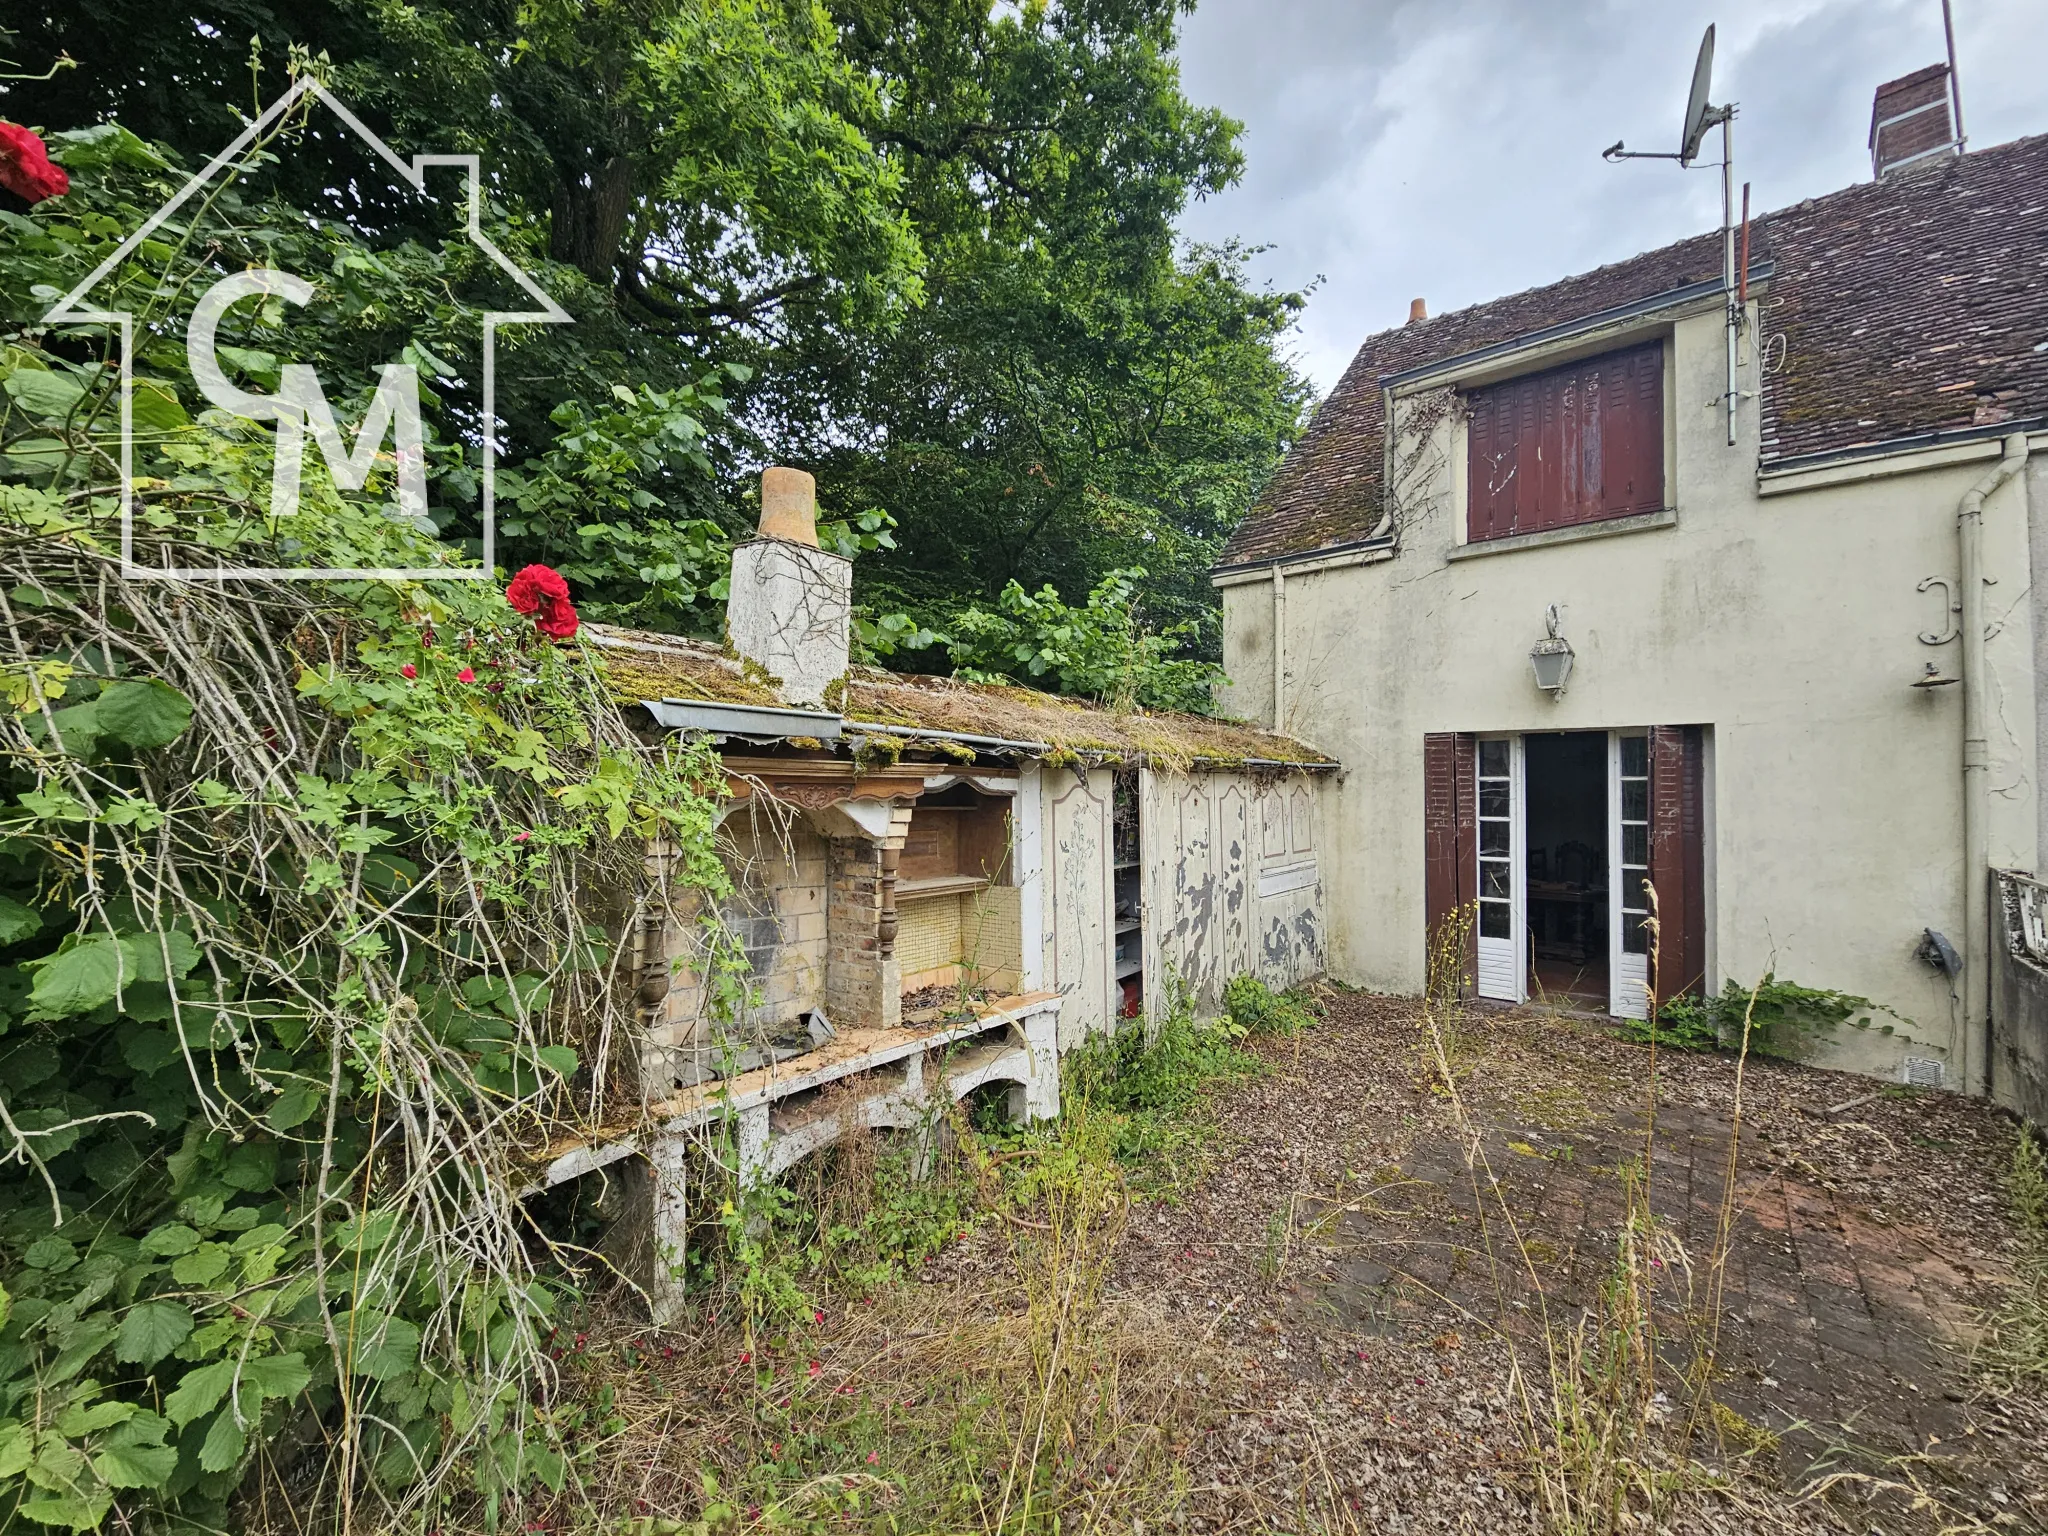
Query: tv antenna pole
1699	117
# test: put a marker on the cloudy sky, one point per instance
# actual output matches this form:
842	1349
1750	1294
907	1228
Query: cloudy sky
1451	148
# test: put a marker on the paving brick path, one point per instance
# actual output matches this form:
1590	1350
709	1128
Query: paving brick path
1831	1319
1340	1242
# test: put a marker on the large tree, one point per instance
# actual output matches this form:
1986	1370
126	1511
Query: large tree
926	247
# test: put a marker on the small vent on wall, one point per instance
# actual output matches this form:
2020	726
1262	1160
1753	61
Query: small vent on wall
1920	1072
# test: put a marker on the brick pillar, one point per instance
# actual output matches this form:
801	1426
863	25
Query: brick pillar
863	983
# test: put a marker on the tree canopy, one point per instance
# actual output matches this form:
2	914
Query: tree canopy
925	248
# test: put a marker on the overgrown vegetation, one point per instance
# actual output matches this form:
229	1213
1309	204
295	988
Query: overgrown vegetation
2014	1350
1772	1018
1149	1084
822	1392
1100	651
924	249
297	942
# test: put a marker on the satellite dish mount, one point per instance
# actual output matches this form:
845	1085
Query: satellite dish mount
1700	115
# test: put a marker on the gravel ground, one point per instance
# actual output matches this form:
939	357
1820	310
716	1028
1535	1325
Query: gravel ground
1321	1316
1334	1250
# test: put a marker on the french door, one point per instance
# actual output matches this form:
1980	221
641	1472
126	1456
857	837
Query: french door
1628	858
1503	924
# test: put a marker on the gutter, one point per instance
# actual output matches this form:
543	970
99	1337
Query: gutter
742	719
1348	552
1976	1042
1045	748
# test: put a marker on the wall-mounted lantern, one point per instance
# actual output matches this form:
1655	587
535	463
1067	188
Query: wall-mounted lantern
1551	657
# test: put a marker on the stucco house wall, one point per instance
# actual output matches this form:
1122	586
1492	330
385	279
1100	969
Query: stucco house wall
1786	623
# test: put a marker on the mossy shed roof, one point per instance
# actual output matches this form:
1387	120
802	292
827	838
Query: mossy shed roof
642	666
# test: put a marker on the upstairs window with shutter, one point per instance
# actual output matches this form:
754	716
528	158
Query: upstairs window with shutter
1571	445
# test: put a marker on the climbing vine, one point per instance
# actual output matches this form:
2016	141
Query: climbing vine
309	895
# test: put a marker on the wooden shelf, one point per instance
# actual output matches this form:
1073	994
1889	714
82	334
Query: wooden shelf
1128	924
1127	968
939	885
1126	864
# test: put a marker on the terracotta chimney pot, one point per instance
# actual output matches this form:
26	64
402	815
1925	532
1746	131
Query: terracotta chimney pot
789	506
1417	310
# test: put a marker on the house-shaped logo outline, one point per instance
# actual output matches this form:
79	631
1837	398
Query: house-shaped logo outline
548	313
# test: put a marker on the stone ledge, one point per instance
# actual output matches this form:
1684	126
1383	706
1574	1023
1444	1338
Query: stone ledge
1606	528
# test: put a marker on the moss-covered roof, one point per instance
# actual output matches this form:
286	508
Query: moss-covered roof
642	666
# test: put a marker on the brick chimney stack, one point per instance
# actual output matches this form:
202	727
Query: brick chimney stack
1911	123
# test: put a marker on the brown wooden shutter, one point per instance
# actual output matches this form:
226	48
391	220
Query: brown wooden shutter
1678	856
1570	445
1450	832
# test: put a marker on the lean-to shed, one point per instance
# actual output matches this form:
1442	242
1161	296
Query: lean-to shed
937	885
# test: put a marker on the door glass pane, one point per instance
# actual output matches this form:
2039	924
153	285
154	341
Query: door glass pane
1635	843
1493	837
1635	799
1493	920
1633	939
1635	756
1493	759
1493	878
1493	798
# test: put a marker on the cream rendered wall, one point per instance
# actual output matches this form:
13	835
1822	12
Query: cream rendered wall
1787	624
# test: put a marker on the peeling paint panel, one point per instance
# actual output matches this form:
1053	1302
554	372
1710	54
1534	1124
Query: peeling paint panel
1078	873
1219	903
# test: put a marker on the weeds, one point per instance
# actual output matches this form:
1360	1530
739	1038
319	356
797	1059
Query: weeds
1257	1009
1153	1089
1606	1443
2014	1350
1772	1018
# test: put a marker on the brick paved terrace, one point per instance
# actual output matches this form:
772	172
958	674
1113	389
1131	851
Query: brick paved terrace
1364	1275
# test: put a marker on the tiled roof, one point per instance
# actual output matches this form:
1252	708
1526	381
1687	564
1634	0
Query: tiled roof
1913	305
640	665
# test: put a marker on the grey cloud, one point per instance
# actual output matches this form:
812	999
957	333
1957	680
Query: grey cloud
1452	149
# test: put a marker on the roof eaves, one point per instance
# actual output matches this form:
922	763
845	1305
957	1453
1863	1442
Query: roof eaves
1760	272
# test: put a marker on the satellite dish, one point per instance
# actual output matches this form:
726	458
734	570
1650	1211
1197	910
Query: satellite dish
1698	117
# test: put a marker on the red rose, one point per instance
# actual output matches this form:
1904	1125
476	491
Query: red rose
466	675
540	591
25	168
408	671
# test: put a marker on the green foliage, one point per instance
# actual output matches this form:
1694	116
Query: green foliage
925	249
1783	1018
1151	1087
1257	1009
294	890
1100	652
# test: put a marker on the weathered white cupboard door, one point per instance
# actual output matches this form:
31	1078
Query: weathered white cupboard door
1078	876
1628	863
1502	921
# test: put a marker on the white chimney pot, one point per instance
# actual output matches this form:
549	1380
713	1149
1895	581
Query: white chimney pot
789	609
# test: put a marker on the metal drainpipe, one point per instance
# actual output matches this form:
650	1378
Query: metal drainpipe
1279	647
1976	1041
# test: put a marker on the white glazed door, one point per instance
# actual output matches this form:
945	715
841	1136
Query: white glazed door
1628	844
1501	941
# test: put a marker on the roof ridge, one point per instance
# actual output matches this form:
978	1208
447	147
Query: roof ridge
1839	270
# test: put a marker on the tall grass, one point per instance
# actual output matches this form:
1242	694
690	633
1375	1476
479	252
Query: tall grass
2013	1352
1026	1401
1608	1421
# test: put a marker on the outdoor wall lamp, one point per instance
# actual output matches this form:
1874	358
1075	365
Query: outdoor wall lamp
1551	657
